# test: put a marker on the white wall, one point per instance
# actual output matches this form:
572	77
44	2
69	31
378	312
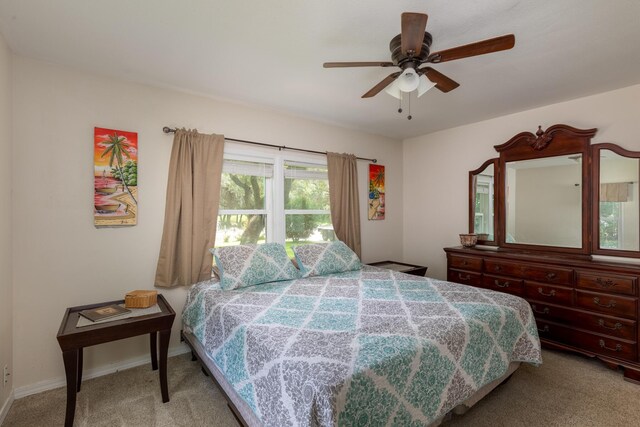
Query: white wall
61	260
436	165
6	297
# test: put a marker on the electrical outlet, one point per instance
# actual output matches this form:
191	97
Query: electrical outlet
5	375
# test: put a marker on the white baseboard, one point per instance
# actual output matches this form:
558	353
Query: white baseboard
5	408
52	383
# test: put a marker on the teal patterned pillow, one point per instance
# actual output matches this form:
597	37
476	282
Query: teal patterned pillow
248	265
318	259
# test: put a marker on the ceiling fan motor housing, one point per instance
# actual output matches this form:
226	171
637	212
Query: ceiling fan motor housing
396	52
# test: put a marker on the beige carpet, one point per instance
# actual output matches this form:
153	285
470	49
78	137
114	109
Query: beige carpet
567	390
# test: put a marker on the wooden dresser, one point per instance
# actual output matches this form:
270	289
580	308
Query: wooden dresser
582	305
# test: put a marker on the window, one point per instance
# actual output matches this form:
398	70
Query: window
306	204
483	218
244	212
611	225
273	200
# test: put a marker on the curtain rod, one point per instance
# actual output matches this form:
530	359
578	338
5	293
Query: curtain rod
167	129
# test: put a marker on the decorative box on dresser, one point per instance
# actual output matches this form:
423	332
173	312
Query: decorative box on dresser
582	305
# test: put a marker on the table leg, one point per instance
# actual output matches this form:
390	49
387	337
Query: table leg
153	349
164	350
70	358
80	357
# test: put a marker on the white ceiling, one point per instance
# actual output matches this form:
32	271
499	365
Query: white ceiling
270	53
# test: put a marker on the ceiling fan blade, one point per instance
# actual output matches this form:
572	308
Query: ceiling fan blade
473	49
357	64
444	83
413	26
384	83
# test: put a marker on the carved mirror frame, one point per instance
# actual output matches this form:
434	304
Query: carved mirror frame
596	249
472	200
557	140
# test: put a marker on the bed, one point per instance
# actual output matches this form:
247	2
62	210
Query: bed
365	347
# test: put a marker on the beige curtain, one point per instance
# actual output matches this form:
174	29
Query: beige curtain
614	192
343	196
193	195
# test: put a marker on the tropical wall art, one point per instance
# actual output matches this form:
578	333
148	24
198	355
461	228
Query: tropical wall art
115	177
376	191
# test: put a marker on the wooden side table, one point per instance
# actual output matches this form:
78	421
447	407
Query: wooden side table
416	270
72	340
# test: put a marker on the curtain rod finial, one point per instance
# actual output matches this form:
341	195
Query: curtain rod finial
167	129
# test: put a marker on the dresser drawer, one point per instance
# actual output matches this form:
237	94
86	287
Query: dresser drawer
503	284
607	303
597	344
465	263
553	331
604	345
503	268
599	323
550	312
562	276
464	277
607	282
548	293
613	326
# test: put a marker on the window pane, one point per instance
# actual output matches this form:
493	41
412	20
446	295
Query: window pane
242	191
610	225
241	229
306	187
307	228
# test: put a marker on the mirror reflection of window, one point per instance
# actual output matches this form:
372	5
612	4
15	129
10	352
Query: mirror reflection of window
483	209
619	199
544	201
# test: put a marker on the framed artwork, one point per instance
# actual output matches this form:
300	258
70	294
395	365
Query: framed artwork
376	191
115	177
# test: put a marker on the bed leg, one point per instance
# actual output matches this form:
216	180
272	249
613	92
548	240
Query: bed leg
235	415
193	357
204	372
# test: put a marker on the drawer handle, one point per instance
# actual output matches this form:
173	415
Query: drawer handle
603	345
464	262
465	277
543	311
545	329
551	276
605	283
550	294
615	327
611	304
497	268
504	285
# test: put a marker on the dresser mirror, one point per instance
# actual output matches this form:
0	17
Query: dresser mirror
617	206
543	200
542	197
482	202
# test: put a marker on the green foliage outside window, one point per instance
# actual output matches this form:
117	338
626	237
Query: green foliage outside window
609	225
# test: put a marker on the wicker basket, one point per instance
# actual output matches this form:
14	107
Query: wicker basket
468	240
140	299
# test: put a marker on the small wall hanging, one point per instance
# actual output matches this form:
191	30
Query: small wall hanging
376	191
115	165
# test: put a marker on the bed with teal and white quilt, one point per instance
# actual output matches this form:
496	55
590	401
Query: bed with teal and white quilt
366	347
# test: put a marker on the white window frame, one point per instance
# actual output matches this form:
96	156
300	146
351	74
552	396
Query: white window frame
274	188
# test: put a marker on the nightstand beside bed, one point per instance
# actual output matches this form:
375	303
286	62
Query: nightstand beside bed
73	339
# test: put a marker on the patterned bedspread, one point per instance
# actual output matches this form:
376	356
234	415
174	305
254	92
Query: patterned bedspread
368	347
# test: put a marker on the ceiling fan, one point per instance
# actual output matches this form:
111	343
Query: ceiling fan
411	48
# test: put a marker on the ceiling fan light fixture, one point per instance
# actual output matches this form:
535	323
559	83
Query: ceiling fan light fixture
408	81
394	90
424	85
